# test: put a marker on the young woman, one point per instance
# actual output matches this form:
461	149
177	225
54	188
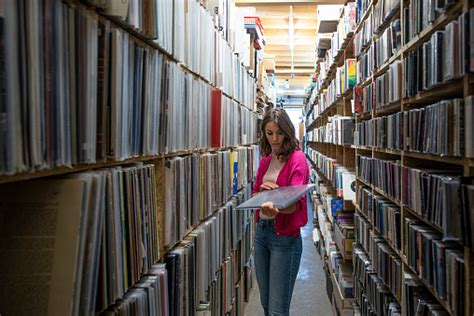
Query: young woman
278	244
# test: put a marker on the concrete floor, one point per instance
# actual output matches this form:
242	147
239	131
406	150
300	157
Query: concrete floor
309	296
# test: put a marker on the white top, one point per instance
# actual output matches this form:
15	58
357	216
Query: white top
271	176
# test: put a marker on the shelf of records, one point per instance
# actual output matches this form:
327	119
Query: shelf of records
338	85
423	17
91	241
375	258
195	34
338	131
341	178
381	301
443	129
383	215
384	91
343	82
132	109
327	100
443	58
443	197
372	295
380	39
440	46
386	261
197	184
379	70
363	10
335	231
336	45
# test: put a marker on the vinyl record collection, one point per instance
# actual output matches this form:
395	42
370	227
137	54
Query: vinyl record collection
190	32
443	198
381	132
342	178
339	131
374	297
385	260
223	243
424	130
418	299
89	91
446	55
206	262
111	218
412	105
335	226
384	215
140	221
426	246
99	232
197	184
428	130
373	55
345	27
382	174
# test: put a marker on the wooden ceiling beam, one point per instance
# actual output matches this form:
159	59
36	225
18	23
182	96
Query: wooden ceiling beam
270	33
302	68
305	62
283	65
294	71
284	47
286	53
300	56
304	42
275	26
274	16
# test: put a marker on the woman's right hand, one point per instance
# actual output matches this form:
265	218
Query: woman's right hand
268	186
268	209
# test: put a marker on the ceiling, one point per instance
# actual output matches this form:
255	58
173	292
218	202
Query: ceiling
280	19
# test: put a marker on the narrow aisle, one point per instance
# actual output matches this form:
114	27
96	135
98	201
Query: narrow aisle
309	297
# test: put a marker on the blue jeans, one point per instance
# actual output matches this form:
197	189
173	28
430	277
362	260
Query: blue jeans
277	260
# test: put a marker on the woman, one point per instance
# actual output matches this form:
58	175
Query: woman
278	244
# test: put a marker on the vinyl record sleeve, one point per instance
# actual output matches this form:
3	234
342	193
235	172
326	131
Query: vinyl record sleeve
281	197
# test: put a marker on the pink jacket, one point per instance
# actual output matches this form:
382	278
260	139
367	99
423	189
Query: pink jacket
294	172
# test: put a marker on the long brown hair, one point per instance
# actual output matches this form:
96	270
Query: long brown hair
290	143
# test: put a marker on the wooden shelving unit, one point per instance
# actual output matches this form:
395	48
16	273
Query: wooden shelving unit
343	154
456	88
157	179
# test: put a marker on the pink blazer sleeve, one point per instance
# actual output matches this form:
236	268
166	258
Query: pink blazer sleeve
299	175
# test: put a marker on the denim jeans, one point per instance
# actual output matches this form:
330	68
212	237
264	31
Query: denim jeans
277	260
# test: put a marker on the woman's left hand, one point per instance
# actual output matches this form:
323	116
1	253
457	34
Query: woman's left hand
268	209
